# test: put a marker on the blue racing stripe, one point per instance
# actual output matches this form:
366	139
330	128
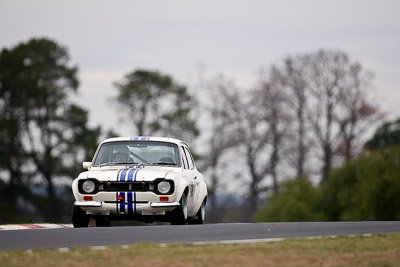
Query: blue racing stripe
130	173
123	174
122	203
130	207
135	201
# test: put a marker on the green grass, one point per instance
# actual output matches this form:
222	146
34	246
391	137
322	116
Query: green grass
375	250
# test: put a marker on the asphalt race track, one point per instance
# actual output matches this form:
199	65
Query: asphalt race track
160	234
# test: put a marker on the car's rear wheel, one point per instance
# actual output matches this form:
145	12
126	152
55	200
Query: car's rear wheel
201	215
179	214
79	217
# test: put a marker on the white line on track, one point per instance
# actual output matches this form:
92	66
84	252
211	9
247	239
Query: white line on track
34	226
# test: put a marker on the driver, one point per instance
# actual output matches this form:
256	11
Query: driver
121	154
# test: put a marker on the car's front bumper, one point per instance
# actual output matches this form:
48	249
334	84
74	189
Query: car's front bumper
88	203
149	208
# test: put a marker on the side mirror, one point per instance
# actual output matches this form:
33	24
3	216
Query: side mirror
87	165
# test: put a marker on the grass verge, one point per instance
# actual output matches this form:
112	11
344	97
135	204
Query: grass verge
374	250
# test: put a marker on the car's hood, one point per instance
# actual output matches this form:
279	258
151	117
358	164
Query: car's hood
147	173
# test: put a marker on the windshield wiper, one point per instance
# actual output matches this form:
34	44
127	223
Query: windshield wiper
117	163
107	164
163	163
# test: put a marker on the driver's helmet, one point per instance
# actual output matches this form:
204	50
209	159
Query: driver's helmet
121	154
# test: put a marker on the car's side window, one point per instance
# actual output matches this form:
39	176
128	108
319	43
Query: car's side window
189	158
184	159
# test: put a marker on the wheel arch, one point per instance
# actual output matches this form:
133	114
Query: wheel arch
182	188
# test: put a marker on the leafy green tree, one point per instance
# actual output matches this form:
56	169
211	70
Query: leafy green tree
365	189
388	134
380	184
297	200
156	104
338	193
43	135
13	99
47	80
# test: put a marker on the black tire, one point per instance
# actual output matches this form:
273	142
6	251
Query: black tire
79	217
179	214
201	215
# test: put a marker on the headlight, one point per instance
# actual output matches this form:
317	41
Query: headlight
163	187
88	186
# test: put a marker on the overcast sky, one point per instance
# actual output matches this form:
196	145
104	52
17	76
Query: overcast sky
107	39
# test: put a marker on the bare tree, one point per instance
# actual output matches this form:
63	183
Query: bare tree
272	99
245	132
325	72
357	110
262	121
254	123
220	134
293	77
255	134
310	107
235	142
339	106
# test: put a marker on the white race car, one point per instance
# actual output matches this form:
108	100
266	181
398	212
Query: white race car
139	178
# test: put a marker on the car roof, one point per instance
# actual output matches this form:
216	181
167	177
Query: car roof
144	138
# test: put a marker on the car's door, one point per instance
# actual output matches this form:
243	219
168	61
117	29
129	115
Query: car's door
186	174
195	178
190	176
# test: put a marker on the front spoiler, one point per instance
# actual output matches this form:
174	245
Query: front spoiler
88	203
153	204
164	205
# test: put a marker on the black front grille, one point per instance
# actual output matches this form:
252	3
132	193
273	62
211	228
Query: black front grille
124	186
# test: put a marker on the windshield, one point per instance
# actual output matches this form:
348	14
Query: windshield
137	152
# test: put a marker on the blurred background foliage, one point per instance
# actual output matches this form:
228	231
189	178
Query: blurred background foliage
297	200
290	147
366	188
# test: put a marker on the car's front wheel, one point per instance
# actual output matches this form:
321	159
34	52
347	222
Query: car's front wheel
179	214
201	215
79	217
